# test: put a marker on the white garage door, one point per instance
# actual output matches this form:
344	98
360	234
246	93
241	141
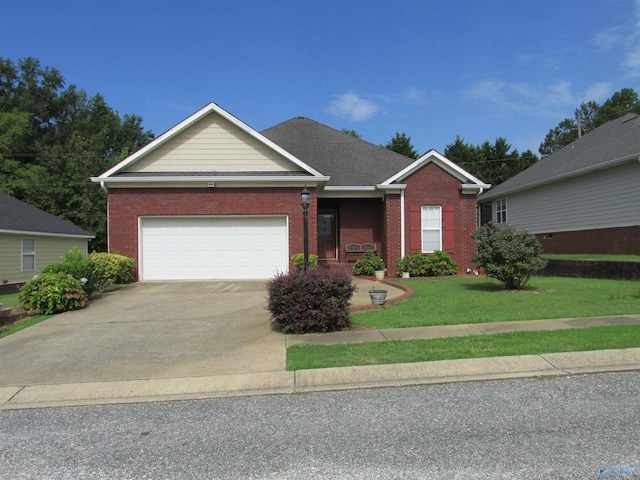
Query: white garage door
201	248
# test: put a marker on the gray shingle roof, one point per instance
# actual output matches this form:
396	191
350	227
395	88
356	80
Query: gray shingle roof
615	140
20	216
348	160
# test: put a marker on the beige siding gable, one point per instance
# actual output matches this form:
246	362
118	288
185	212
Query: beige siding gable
213	144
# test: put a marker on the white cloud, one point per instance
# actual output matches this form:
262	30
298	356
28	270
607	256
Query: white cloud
536	100
598	91
353	107
632	61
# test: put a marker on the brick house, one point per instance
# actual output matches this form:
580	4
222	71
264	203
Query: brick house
214	199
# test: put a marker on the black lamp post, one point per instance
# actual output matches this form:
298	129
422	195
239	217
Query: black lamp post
305	201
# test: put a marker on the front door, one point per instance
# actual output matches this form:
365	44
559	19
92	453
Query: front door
327	234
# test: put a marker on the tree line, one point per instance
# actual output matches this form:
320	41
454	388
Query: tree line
496	162
54	137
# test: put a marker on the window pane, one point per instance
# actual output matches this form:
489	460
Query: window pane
28	245
28	262
431	228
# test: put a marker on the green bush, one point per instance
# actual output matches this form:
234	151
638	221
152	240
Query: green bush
434	265
115	268
368	265
315	301
509	256
298	261
79	266
52	293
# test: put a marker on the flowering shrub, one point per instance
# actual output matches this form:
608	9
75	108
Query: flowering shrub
316	301
51	293
78	265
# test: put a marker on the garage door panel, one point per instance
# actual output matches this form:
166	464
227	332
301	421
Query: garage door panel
181	248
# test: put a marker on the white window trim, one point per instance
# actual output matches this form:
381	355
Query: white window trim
423	228
25	254
501	208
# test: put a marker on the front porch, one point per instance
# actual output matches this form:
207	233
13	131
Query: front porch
343	223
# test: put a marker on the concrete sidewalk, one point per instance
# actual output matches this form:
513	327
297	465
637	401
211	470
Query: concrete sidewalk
279	381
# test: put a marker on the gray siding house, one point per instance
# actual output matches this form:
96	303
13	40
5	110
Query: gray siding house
31	239
585	198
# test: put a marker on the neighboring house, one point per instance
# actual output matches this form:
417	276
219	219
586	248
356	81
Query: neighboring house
214	199
585	198
31	239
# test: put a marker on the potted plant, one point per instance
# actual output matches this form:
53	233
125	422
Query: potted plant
370	265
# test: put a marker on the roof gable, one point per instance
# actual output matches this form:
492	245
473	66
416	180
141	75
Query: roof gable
432	156
615	142
20	217
210	140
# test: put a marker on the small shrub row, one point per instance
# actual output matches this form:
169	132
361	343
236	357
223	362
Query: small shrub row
51	293
315	301
67	285
418	265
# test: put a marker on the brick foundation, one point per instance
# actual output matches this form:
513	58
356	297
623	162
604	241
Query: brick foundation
618	241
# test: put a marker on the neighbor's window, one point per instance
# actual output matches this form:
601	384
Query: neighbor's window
431	228
28	254
501	210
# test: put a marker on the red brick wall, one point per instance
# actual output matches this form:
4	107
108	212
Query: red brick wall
392	242
619	241
360	221
127	204
433	186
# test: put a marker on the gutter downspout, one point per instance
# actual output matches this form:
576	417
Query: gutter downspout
402	248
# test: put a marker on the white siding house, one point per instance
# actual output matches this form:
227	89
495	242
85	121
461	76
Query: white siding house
584	198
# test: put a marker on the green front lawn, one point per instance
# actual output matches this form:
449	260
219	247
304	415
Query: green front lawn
305	356
590	256
470	299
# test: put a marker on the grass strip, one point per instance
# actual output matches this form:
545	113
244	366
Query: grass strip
22	324
588	256
306	356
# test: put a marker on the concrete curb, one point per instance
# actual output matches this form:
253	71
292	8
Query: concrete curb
304	381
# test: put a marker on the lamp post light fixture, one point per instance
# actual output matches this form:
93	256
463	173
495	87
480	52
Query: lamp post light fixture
305	201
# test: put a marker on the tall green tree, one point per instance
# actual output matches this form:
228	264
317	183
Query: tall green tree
402	144
54	138
491	162
588	116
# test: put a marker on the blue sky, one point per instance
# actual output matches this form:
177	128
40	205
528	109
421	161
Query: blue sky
432	69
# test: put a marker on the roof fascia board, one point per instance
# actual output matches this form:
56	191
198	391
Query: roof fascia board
575	173
363	191
204	111
45	234
209	178
431	156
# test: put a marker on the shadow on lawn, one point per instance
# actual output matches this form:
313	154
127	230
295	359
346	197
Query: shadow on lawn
489	285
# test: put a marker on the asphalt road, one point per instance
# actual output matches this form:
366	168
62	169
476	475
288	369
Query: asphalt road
567	427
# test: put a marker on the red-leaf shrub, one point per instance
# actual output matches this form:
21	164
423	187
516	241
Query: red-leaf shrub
316	301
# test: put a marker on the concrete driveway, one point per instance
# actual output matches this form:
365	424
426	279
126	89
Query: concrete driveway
150	330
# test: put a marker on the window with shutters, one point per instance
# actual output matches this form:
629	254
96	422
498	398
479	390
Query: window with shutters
431	221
